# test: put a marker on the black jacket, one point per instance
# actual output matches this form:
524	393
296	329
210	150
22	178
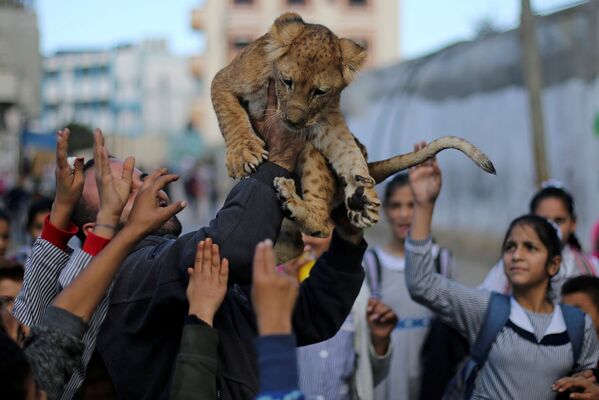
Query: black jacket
140	337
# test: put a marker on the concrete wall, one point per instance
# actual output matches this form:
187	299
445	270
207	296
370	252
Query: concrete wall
475	90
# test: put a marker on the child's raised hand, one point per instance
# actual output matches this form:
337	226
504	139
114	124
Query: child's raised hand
207	281
274	292
425	180
69	182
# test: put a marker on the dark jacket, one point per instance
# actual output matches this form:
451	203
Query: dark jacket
140	338
197	362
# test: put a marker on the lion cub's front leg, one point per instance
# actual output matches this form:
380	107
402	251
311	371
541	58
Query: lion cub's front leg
339	147
311	211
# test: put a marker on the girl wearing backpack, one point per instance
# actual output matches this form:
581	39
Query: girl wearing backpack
557	204
521	344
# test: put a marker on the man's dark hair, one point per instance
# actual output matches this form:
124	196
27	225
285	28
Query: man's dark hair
586	284
14	369
42	205
12	270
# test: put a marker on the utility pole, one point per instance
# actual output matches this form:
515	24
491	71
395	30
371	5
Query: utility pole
534	83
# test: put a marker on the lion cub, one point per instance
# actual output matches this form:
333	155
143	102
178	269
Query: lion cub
310	66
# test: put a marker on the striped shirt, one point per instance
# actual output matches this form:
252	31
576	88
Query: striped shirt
519	365
40	283
47	271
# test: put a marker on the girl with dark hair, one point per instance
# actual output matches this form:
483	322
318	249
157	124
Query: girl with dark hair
555	203
385	271
530	345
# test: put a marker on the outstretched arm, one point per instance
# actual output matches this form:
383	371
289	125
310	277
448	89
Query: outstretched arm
196	364
274	294
50	252
462	307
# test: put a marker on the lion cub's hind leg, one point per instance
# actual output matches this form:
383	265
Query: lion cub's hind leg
311	211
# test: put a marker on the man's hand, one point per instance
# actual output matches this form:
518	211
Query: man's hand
425	180
344	228
207	281
274	292
381	321
149	212
69	184
283	145
114	191
585	388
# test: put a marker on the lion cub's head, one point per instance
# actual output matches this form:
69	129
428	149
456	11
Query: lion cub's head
311	67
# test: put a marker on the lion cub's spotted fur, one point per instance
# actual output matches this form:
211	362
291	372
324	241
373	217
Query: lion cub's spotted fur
310	66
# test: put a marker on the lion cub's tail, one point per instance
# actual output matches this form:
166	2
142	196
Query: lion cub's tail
380	170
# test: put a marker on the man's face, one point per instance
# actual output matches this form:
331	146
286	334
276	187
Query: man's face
92	197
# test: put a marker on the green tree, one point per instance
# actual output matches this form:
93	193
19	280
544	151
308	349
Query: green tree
81	138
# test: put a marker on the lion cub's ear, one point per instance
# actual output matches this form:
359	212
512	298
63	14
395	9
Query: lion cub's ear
352	58
286	28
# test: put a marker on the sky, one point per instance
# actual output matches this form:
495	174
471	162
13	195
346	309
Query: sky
425	25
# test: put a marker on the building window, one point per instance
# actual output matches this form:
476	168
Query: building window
296	2
240	42
244	2
357	3
361	41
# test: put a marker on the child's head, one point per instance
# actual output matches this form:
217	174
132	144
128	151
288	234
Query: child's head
557	204
38	211
11	281
583	292
15	373
398	203
4	233
531	252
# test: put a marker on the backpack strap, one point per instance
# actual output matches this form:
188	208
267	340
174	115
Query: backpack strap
497	315
373	274
574	319
443	262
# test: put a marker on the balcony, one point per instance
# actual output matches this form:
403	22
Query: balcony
198	19
196	65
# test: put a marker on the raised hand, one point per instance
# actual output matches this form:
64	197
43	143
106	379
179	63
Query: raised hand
69	183
114	191
425	180
274	292
381	321
150	209
207	281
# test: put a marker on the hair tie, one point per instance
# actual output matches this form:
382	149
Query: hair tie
552	183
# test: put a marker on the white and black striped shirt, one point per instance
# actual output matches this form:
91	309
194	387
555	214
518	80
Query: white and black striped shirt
47	271
519	366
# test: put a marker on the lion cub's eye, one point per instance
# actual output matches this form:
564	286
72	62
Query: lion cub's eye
319	92
288	82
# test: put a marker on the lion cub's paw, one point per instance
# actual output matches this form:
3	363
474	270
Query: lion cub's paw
244	157
362	206
285	192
